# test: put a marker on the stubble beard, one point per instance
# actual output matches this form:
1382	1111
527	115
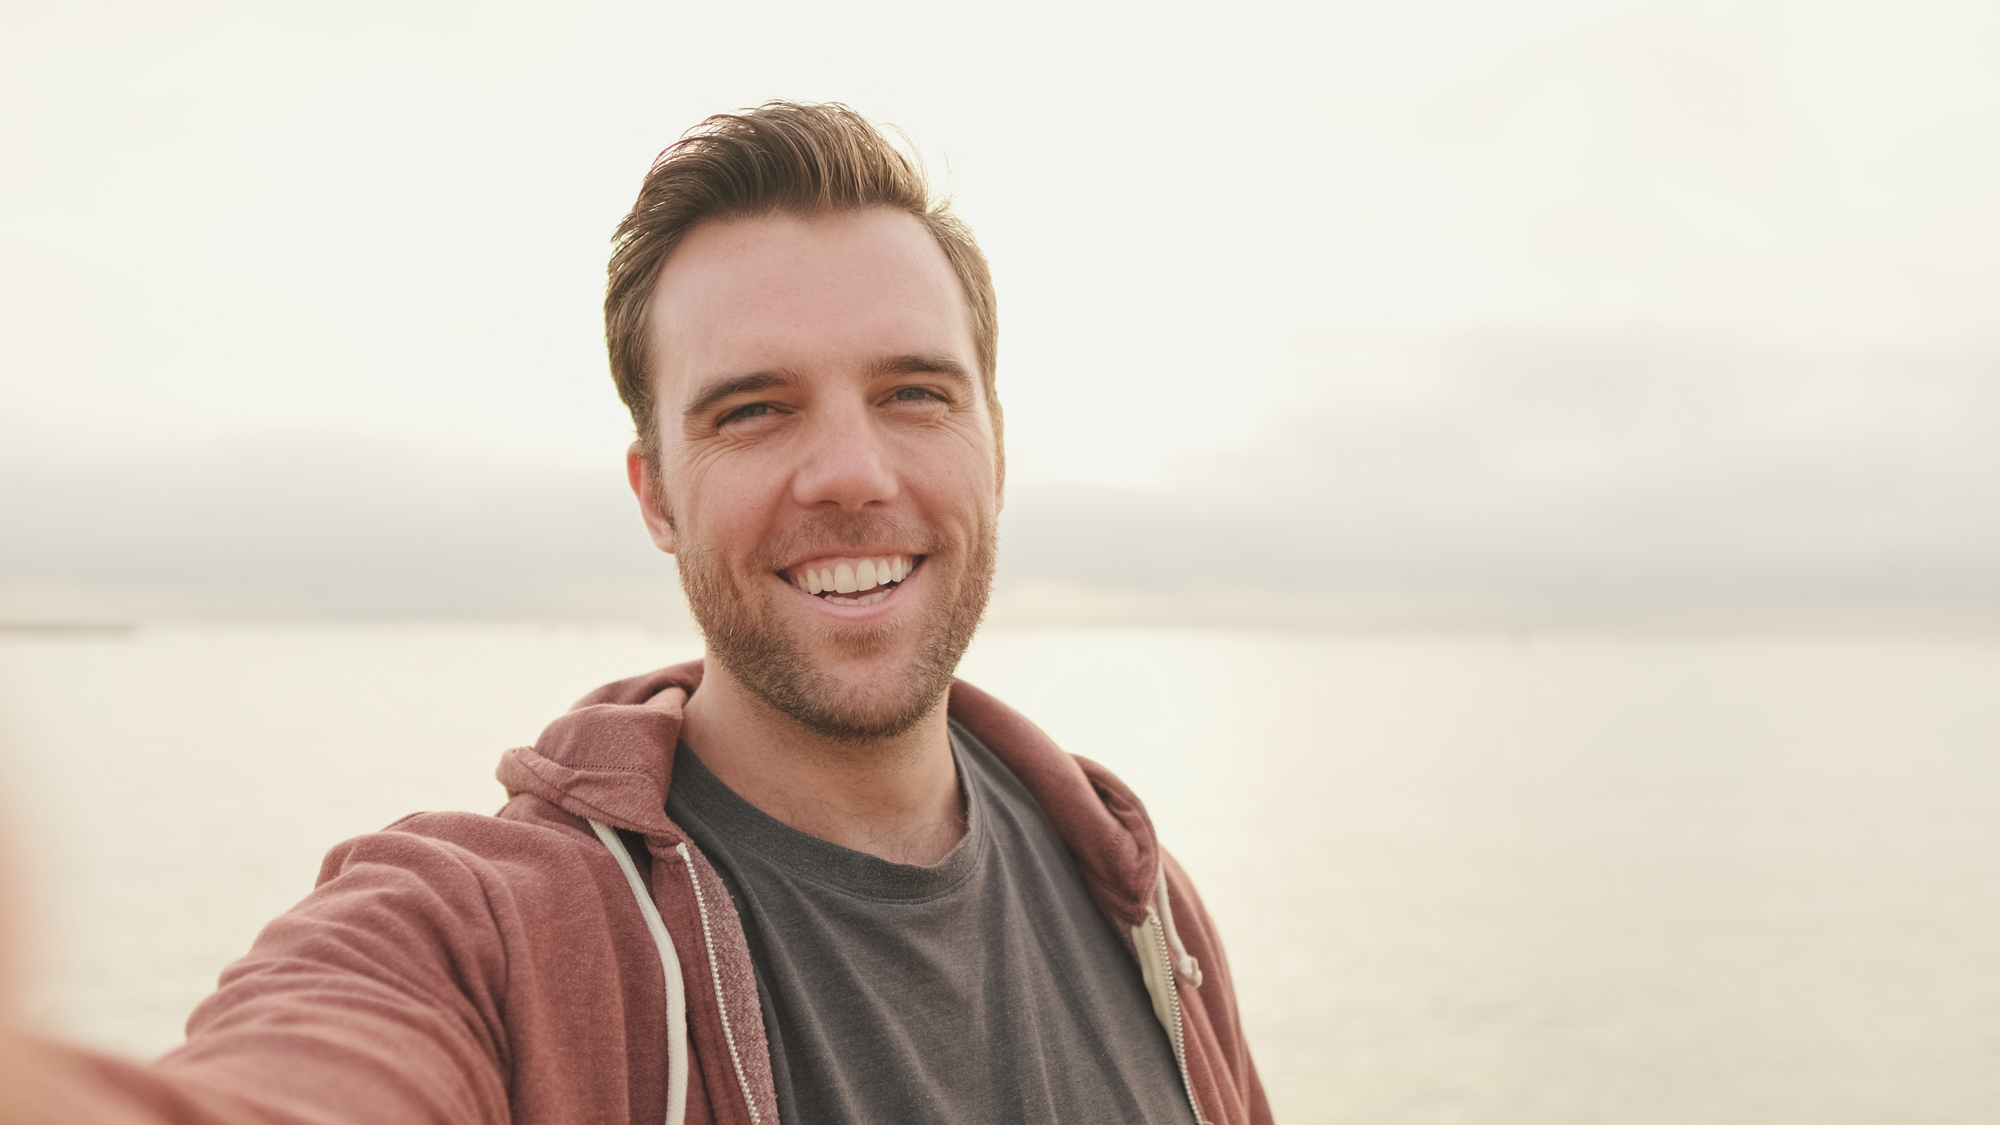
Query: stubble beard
775	666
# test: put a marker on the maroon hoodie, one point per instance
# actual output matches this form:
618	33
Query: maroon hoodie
462	968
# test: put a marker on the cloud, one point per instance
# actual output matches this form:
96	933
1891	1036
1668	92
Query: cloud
326	525
1562	475
1454	477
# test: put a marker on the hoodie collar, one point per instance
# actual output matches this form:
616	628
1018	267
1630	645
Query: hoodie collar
611	759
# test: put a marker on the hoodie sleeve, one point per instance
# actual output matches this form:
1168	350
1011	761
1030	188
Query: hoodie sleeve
377	1000
61	1084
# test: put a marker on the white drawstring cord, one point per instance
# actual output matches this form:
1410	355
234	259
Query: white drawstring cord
1185	964
670	963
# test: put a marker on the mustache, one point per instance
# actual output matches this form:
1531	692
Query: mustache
818	533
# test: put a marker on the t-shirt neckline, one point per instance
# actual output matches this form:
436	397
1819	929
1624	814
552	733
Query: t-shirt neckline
697	792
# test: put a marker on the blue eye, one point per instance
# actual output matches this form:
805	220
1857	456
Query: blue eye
914	394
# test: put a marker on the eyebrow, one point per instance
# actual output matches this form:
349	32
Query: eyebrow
923	363
736	385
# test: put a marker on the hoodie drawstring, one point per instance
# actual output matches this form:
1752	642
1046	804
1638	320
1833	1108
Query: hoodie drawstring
670	963
1185	965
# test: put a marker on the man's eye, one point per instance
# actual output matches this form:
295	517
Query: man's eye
752	410
916	394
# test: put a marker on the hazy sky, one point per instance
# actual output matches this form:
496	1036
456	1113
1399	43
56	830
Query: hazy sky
1503	302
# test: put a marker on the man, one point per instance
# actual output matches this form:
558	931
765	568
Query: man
810	878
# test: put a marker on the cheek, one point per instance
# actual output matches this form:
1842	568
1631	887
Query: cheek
724	507
958	493
968	471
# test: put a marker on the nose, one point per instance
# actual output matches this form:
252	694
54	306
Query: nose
845	463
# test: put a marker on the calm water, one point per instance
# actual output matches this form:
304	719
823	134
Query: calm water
1551	880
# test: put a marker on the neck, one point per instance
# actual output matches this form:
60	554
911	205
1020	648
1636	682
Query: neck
895	798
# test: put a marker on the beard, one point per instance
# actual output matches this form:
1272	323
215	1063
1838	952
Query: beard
776	666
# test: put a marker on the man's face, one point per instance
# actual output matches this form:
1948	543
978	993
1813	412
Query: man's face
827	472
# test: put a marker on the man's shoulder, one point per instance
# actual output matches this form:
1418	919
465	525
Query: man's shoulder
528	840
1100	820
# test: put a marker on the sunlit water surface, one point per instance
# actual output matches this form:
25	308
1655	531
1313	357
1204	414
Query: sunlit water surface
1495	879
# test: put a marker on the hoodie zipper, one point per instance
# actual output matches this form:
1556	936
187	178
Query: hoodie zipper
715	976
1177	1032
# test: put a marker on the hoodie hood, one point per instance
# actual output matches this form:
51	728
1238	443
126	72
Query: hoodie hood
611	759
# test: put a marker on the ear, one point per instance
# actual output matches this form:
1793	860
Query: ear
1000	479
646	490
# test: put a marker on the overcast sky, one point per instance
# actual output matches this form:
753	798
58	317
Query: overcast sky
1527	308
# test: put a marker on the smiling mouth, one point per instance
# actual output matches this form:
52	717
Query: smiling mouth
855	581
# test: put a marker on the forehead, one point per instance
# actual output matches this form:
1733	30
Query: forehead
805	294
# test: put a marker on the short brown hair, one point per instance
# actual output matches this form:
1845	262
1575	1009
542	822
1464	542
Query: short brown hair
786	157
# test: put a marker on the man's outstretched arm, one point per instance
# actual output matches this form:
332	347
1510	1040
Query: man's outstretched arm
375	1001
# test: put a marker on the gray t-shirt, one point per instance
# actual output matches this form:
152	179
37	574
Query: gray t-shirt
987	988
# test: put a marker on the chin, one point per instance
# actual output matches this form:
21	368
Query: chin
843	698
847	689
850	685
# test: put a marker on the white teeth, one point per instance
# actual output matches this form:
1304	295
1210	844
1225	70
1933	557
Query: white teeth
854	577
